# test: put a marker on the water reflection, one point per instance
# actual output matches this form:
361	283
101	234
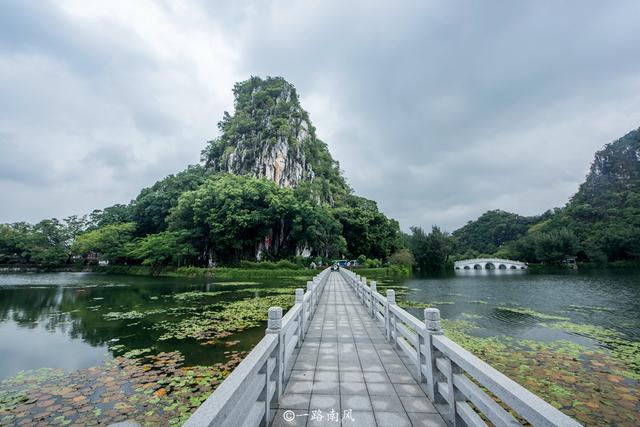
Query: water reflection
607	298
489	272
58	320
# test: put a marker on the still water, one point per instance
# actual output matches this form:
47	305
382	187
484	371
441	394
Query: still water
571	337
607	298
61	320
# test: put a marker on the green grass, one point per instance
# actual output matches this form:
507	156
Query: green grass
222	273
394	270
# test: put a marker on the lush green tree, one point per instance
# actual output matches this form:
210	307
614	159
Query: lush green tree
431	251
403	257
14	243
113	241
315	228
555	246
116	214
367	231
162	249
48	243
229	216
151	208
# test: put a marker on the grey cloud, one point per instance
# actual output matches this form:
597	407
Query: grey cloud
452	100
437	110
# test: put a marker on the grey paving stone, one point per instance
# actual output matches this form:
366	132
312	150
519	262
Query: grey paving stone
350	367
426	420
417	404
351	377
409	390
346	362
381	389
377	367
325	402
391	359
294	401
387	403
299	387
332	376
349	388
327	367
392	419
376	377
396	367
301	375
398	378
356	402
326	387
302	366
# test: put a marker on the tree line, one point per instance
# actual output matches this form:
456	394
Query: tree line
200	218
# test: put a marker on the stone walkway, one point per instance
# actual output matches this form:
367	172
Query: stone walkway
346	372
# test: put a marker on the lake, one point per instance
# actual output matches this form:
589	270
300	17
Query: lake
164	343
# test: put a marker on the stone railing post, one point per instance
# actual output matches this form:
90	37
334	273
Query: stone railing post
274	326
432	327
374	288
454	395
316	291
363	285
311	297
301	329
391	300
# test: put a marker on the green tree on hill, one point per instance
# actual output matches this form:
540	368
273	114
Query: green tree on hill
431	251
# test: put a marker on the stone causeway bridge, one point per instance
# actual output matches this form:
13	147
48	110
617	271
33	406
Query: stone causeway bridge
346	355
489	264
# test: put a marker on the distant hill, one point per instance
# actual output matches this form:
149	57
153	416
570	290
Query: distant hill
490	231
600	223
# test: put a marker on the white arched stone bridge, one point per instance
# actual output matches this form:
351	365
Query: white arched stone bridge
489	264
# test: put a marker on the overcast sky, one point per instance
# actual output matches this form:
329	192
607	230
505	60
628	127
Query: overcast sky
439	111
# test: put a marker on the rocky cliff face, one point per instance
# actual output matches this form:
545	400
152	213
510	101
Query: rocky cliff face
271	136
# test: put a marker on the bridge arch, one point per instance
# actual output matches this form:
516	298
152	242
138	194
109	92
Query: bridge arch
489	264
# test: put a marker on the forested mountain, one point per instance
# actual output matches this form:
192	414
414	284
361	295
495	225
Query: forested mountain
268	189
600	223
490	231
271	136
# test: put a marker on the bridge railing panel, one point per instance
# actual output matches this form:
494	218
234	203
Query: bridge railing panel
248	396
449	374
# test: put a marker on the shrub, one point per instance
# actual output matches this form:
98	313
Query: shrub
286	264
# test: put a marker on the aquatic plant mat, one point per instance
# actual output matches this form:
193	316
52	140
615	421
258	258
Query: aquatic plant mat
594	378
151	389
150	386
597	386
